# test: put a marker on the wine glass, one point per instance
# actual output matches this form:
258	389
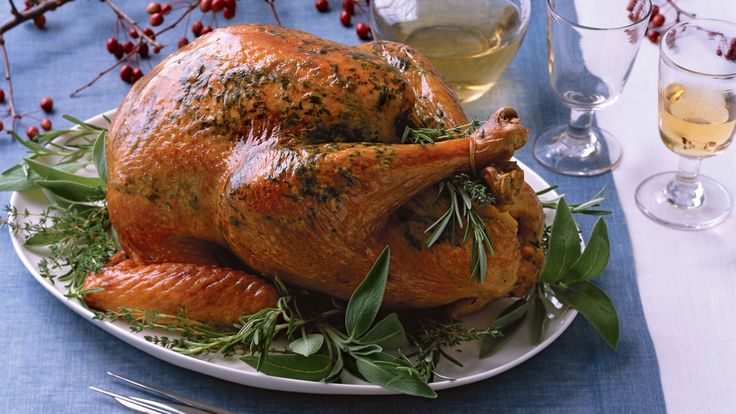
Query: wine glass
697	119
471	42
591	47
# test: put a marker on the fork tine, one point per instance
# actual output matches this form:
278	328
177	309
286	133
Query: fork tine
170	395
138	406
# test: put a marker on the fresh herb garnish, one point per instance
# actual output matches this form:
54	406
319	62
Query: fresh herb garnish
432	135
566	279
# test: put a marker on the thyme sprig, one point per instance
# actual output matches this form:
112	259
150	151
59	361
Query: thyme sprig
78	237
460	214
434	341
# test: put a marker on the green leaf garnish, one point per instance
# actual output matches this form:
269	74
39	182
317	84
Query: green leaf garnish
367	297
388	333
595	257
307	345
564	245
394	374
309	368
594	305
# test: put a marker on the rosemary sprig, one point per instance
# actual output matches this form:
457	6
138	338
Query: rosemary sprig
463	192
426	136
587	208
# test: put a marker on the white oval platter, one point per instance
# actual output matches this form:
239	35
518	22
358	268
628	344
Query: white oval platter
513	352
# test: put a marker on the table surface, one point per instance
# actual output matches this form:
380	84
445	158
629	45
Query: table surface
685	278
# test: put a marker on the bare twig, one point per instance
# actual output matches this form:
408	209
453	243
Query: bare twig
272	5
104	72
189	9
30	14
14	115
132	23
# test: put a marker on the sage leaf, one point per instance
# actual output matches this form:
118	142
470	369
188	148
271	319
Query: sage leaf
73	191
537	320
393	374
44	238
337	367
594	305
312	368
595	256
564	245
389	333
367	297
16	179
54	174
307	345
98	155
508	322
356	349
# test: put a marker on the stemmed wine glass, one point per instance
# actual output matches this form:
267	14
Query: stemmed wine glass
591	49
697	119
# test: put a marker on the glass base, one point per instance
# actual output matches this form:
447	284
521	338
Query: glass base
654	201
556	151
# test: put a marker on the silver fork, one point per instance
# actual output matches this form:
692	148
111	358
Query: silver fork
142	405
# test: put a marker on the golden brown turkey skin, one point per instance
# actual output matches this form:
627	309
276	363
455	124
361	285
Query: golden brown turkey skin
208	293
283	149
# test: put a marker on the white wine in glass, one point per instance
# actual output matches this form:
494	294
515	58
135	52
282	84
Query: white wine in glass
697	120
471	42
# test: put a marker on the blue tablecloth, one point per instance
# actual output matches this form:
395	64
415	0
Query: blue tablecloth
49	355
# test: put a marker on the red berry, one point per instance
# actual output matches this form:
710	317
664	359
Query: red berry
126	73
205	30
133	33
118	51
165	8
653	36
658	20
153	8
363	31
230	4
345	18
40	21
205	5
156	19
137	74
47	104
143	49
156	49
183	42
2	96
322	5
1	126
111	44
197	28
655	11
228	13
46	124
217	5
149	32
128	47
31	131
348	6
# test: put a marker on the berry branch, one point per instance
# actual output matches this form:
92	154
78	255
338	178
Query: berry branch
134	25
129	45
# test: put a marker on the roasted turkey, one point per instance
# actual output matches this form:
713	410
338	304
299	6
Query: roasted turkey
277	152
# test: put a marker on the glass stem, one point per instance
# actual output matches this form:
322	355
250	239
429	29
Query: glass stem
685	190
578	137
